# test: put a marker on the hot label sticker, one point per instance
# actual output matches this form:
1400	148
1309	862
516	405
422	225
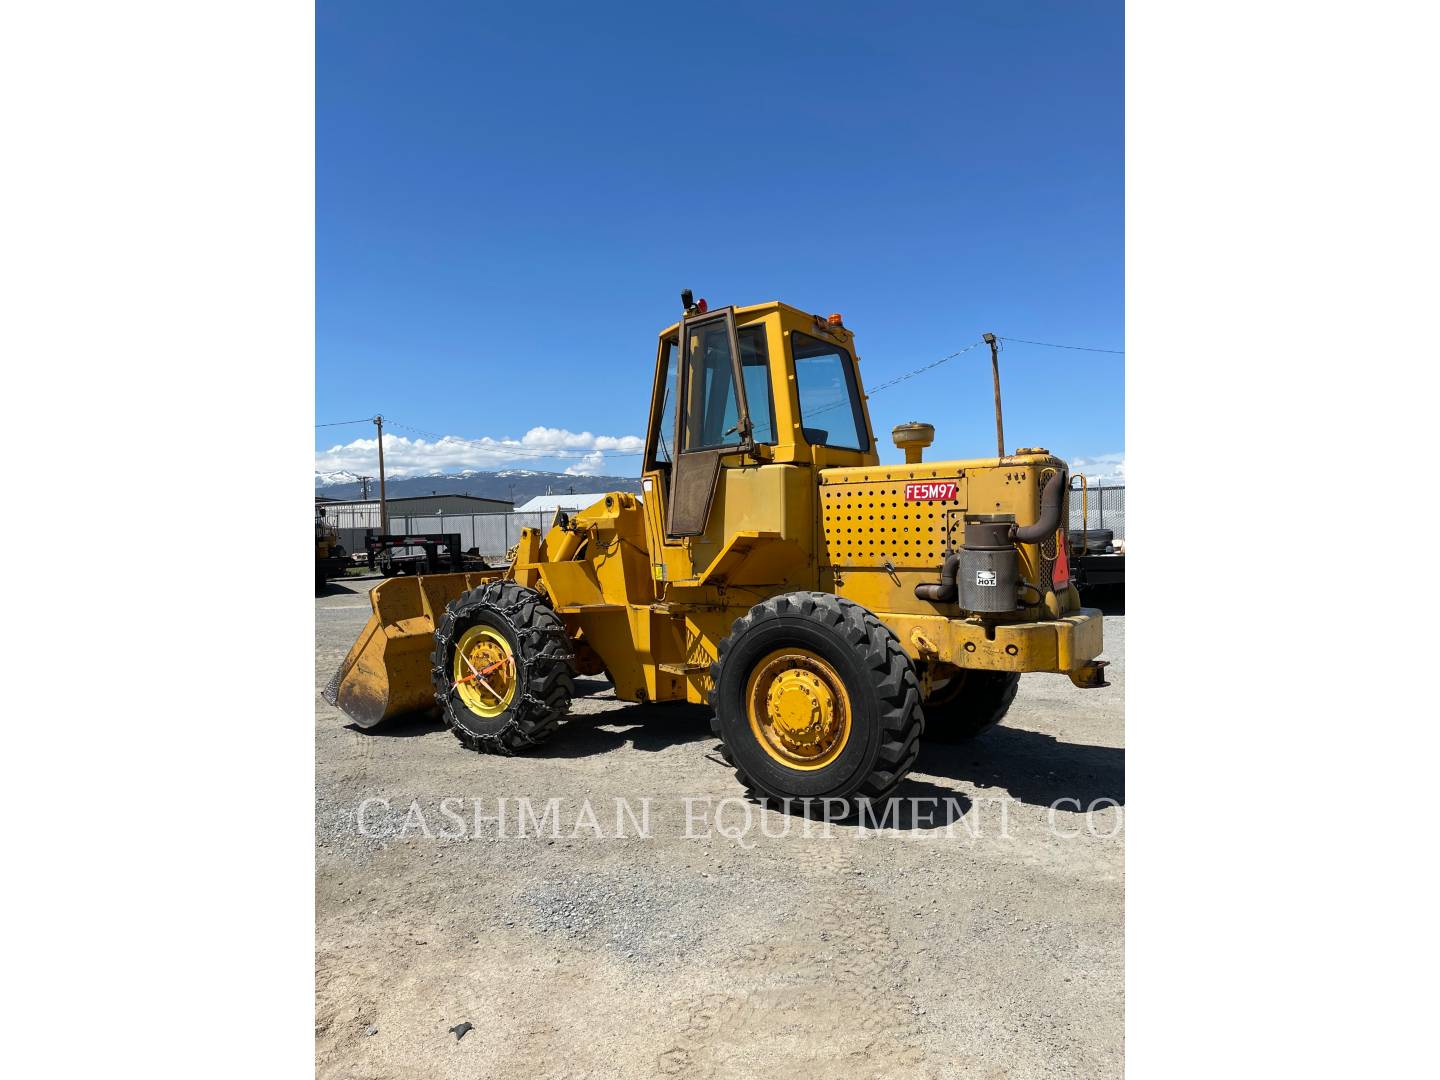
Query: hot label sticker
985	577
934	489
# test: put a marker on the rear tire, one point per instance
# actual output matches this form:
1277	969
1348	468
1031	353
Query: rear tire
542	682
853	652
969	704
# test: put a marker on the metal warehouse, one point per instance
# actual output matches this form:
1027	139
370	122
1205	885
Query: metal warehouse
480	522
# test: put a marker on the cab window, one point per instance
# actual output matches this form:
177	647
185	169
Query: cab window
755	364
663	421
830	412
711	418
709	415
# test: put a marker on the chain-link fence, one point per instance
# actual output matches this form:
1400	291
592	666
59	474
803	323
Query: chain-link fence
1099	507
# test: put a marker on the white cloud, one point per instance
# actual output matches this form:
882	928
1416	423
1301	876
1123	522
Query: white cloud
545	447
590	465
1109	468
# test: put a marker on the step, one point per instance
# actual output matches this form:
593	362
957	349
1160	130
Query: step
685	669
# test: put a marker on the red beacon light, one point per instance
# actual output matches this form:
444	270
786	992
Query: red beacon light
835	320
701	306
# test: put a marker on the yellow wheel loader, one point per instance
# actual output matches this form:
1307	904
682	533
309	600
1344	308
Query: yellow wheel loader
831	610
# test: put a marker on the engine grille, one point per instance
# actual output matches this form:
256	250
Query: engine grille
864	524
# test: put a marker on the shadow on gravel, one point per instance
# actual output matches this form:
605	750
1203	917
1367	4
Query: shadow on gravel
1034	768
919	804
642	727
591	686
404	727
1028	765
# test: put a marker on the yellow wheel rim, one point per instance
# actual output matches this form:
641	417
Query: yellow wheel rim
798	709
484	671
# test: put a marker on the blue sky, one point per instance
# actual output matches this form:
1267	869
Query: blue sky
510	197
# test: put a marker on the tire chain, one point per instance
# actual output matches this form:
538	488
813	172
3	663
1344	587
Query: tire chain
541	669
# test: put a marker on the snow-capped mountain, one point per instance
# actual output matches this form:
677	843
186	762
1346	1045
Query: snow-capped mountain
518	485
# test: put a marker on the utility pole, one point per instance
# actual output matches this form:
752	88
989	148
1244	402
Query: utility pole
380	445
995	369
365	488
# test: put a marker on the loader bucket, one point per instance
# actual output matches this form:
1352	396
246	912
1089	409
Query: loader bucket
387	671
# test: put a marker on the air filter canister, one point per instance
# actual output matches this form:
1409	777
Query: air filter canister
989	576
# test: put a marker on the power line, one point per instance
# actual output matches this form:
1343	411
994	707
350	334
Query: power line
897	379
1052	345
342	423
921	370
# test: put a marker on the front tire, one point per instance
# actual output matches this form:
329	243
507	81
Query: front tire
502	668
816	702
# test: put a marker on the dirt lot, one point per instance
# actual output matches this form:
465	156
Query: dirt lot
978	935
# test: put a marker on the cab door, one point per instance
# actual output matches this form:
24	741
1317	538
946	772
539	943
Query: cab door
712	418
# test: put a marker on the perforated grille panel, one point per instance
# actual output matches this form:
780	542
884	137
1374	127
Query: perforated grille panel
865	524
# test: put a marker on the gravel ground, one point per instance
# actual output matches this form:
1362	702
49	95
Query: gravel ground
978	933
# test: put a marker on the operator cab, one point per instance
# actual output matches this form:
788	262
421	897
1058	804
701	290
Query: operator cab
748	403
739	389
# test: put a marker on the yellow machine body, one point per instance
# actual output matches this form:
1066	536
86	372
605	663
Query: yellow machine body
327	540
648	590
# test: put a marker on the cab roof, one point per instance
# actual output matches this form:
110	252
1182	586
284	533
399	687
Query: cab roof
750	311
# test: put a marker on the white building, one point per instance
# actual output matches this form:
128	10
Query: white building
551	503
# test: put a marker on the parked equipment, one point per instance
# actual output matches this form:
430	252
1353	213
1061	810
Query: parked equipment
827	607
1097	560
420	553
330	558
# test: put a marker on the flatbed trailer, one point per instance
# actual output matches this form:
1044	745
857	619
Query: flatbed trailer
1096	570
380	551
